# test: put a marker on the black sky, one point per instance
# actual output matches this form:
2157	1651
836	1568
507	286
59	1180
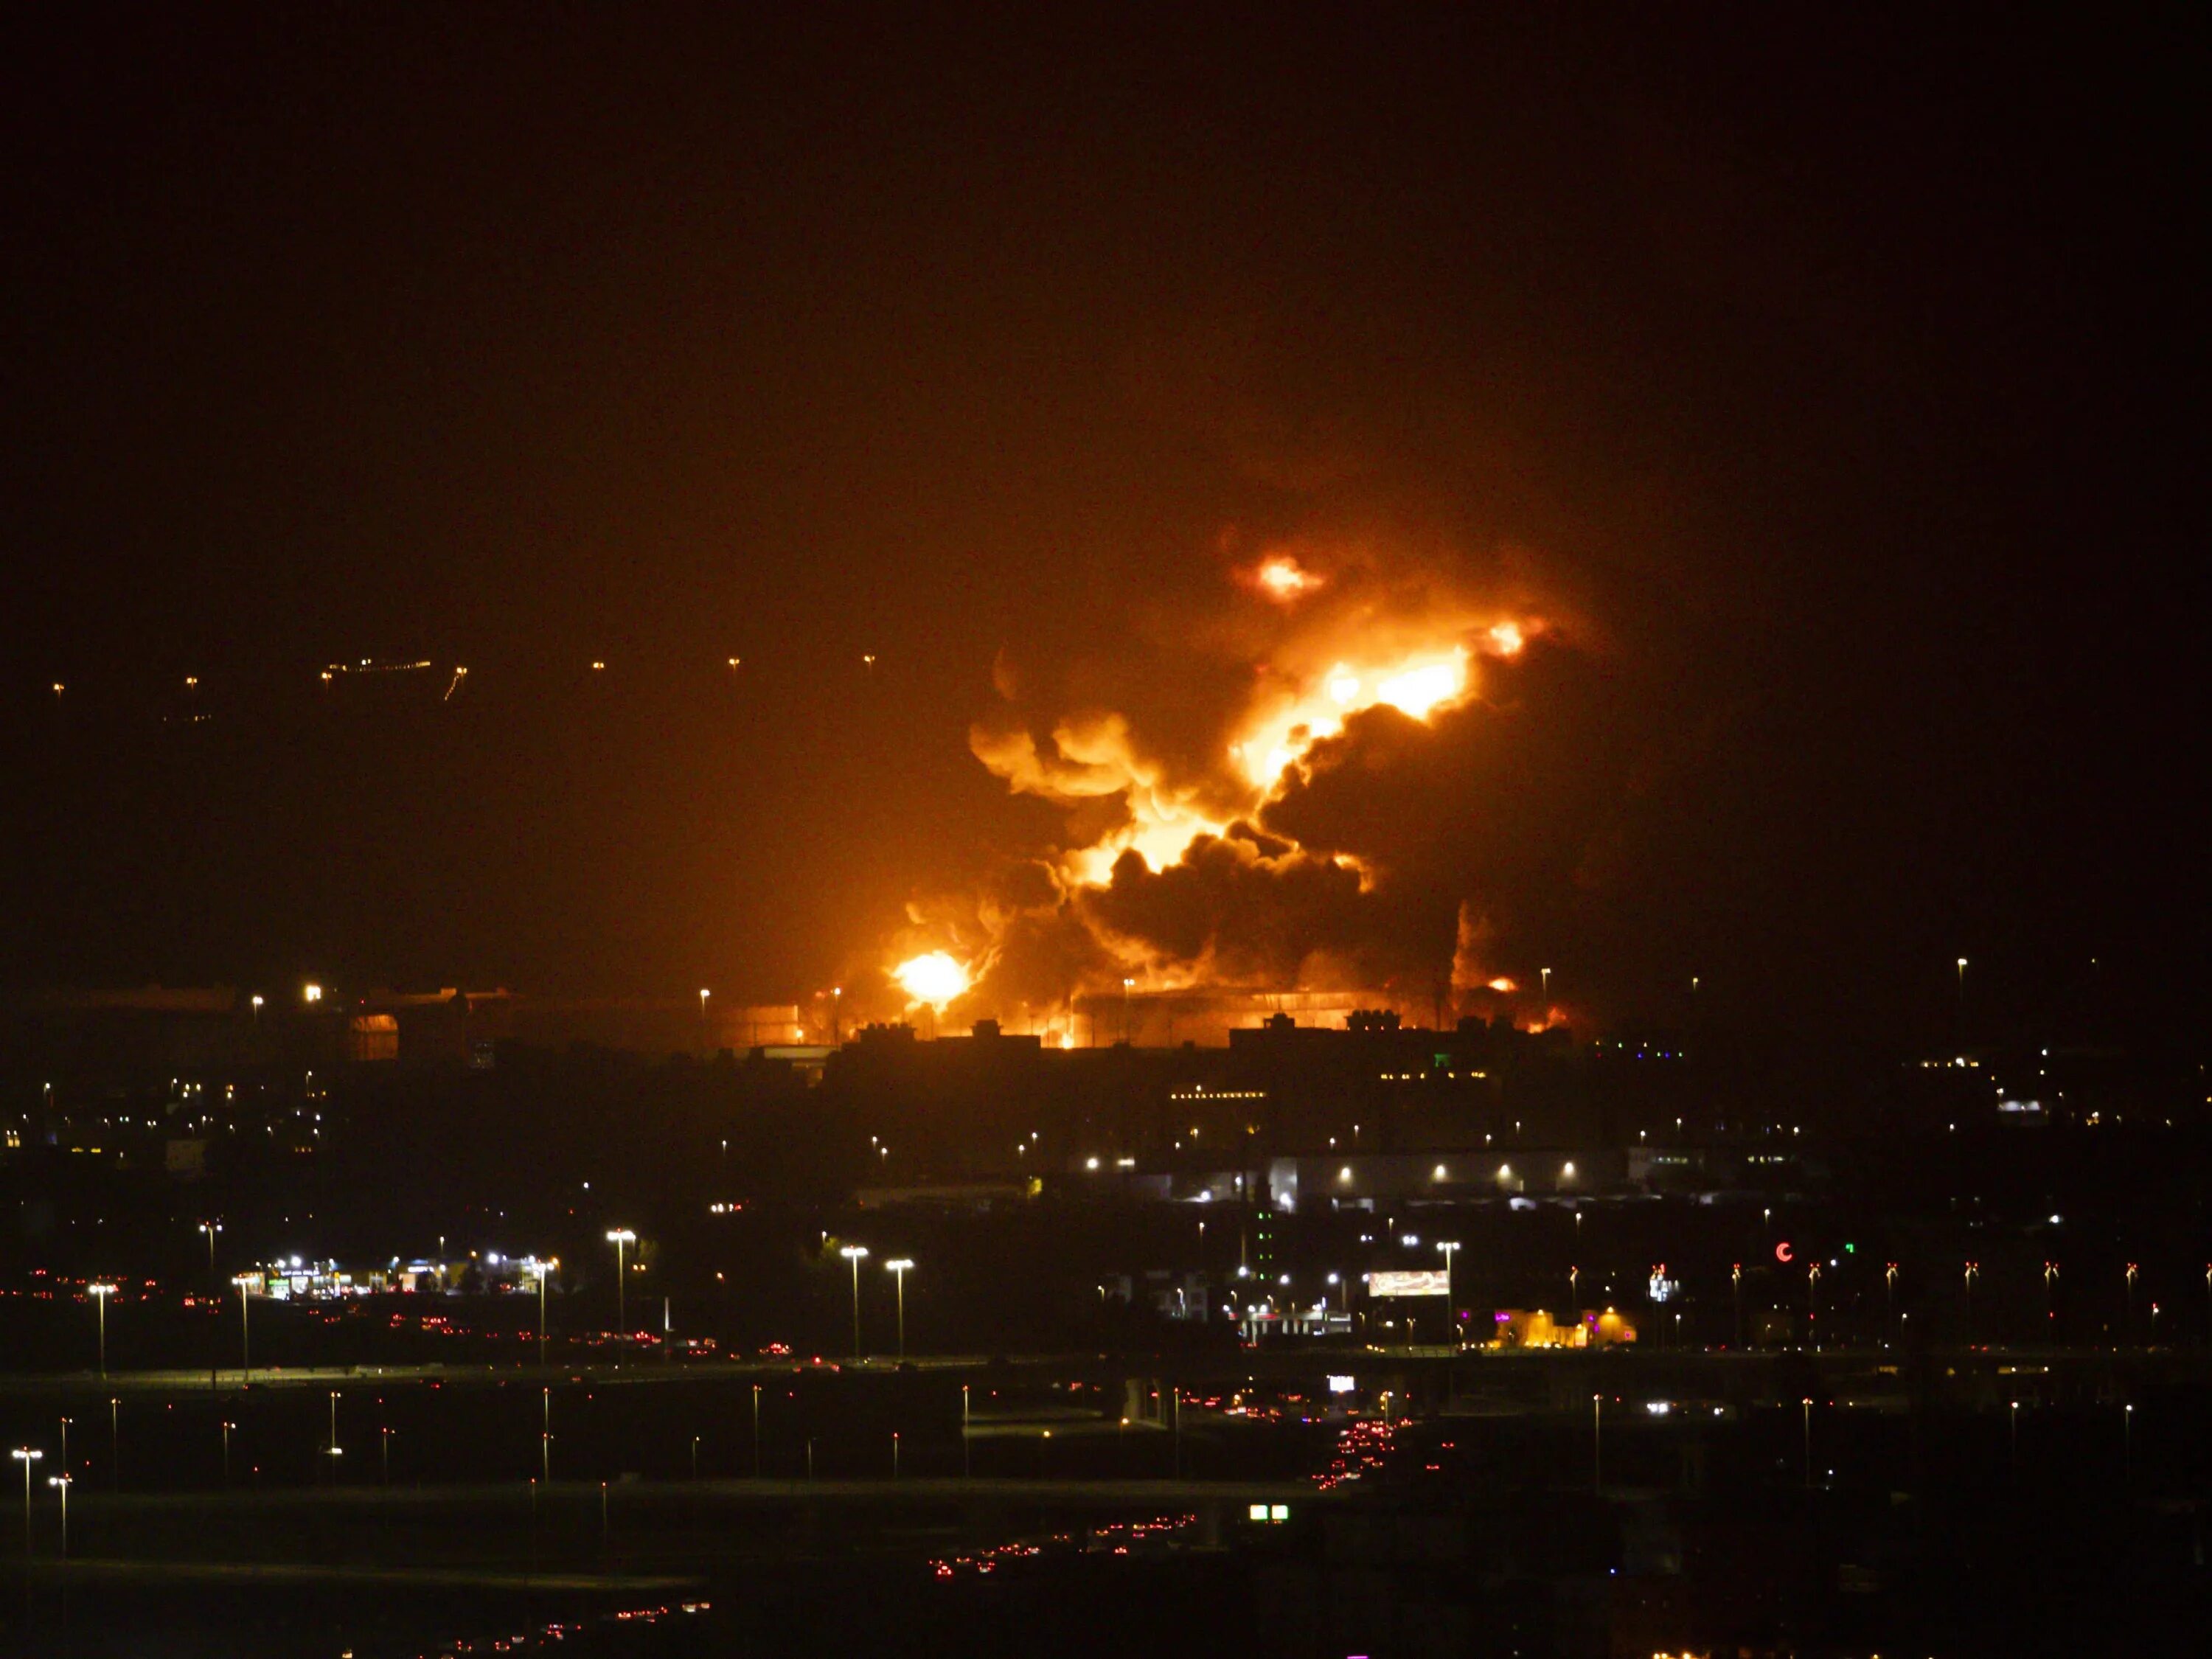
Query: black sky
1840	375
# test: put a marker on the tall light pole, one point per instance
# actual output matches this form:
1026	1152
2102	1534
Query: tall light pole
855	1253
1973	1272
1448	1247
228	1426
1597	1447
210	1228
244	1328
757	1454
2131	1301
1960	1016
331	1449
618	1238
27	1455
1546	974
544	1268
703	1044
545	1438
1808	1403
1813	1301
61	1481
897	1267
100	1293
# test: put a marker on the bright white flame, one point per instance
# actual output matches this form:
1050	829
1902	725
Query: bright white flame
1418	690
1284	578
1506	639
1417	686
935	978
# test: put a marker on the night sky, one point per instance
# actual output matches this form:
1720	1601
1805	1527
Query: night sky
1826	386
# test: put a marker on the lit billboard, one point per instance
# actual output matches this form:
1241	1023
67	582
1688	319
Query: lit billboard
1433	1281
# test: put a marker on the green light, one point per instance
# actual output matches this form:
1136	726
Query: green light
1851	1249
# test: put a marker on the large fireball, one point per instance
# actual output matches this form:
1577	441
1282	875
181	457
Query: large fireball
935	978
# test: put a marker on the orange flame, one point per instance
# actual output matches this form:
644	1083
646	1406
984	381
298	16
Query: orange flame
1330	639
1284	579
935	978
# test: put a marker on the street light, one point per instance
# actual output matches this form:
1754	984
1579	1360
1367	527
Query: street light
542	1269
1597	1447
61	1481
1451	1316
618	1238
244	1328
1808	1403
210	1228
100	1293
27	1455
855	1253
897	1267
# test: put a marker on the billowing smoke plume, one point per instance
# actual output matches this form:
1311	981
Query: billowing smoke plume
1350	775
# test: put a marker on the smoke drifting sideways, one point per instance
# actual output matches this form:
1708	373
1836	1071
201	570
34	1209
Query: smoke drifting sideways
1352	773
